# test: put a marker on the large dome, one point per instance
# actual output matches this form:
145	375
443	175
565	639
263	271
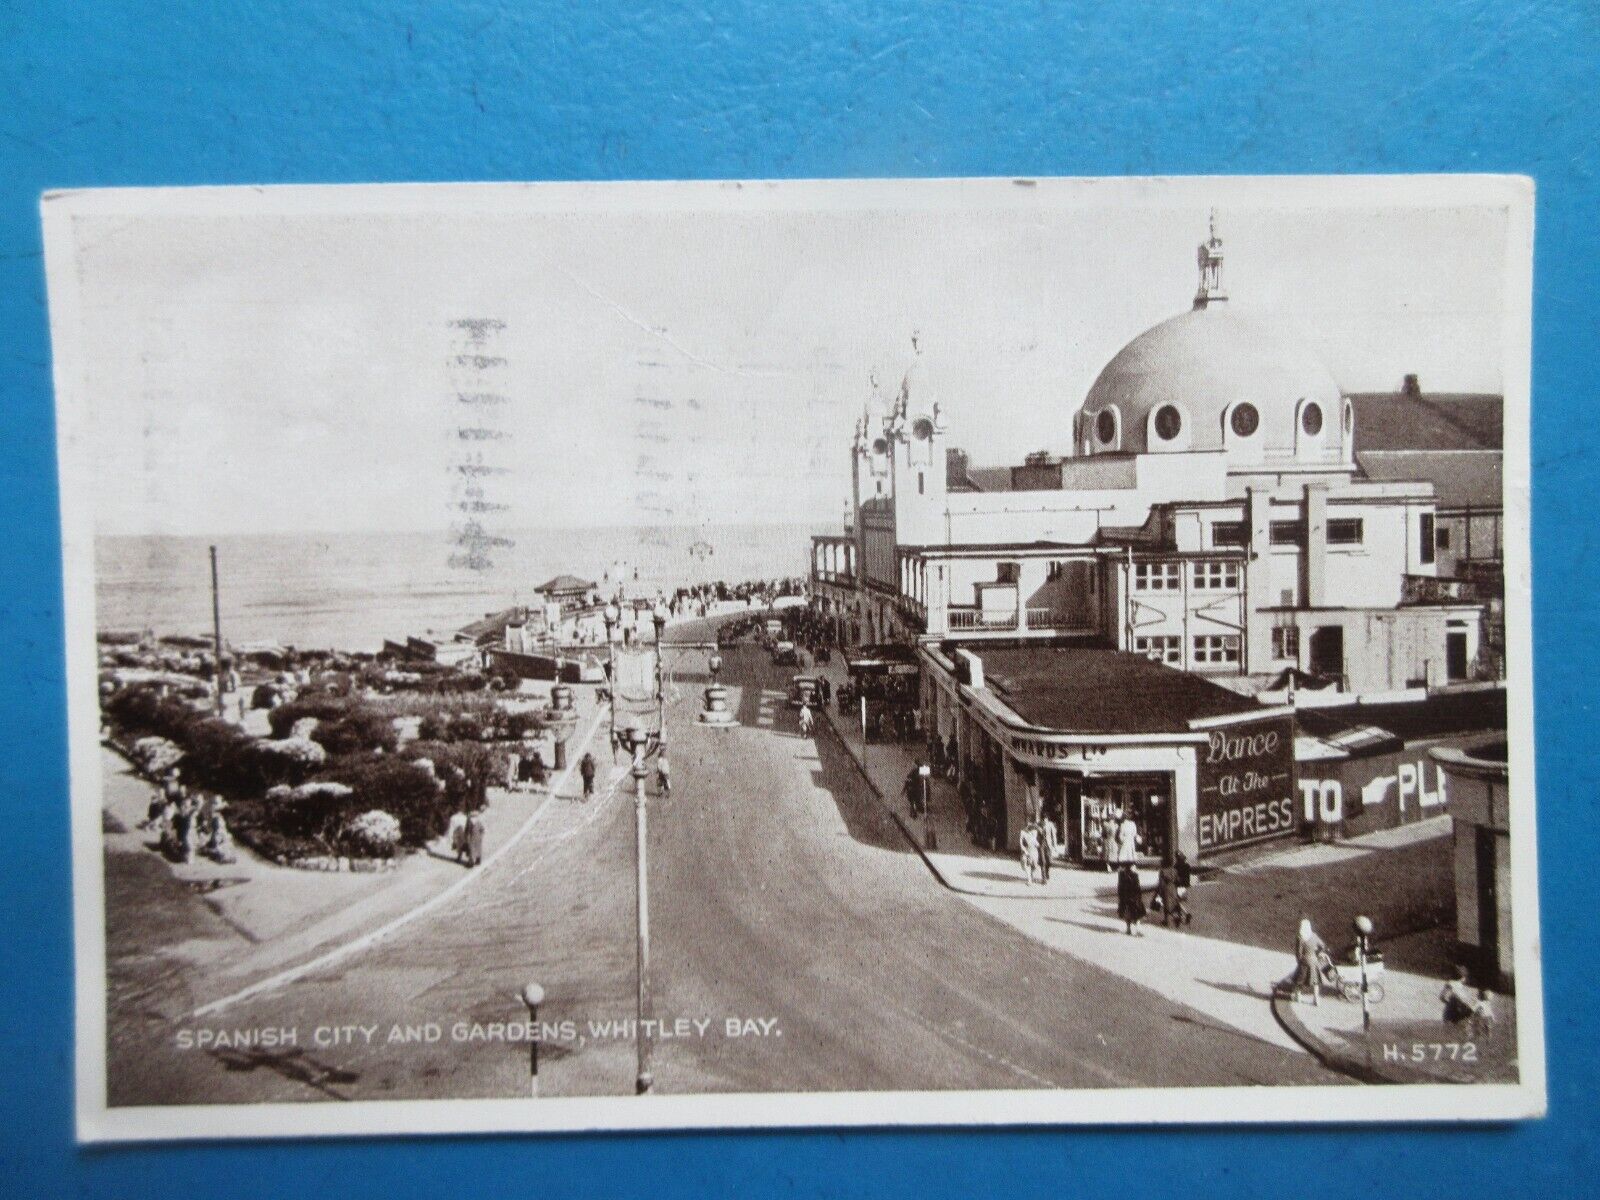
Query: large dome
1209	380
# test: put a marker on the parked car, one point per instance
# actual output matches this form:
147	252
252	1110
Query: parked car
803	691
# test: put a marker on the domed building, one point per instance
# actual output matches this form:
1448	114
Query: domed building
1208	379
1208	549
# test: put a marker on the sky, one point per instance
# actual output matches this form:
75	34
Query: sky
280	360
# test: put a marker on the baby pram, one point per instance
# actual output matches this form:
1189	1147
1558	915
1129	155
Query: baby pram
1344	977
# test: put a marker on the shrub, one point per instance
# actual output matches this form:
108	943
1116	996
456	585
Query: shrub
156	754
400	787
312	704
292	758
358	731
374	834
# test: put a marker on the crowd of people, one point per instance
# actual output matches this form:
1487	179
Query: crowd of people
189	823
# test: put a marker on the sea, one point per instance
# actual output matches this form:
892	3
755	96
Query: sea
350	591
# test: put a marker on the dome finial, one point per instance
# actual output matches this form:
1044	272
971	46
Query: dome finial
1210	259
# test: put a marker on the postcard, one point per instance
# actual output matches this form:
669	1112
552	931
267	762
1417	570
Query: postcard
812	653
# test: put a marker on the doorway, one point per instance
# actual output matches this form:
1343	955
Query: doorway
1327	651
1455	655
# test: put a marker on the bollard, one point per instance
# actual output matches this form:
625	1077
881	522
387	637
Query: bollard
533	996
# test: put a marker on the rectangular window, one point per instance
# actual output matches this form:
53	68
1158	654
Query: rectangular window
1161	649
1008	572
1157	576
1441	537
1215	575
1286	642
1212	648
1426	542
1227	533
1288	533
1346	531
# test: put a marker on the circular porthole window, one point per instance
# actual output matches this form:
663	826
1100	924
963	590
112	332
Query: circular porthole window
1105	426
1311	419
1245	420
1169	422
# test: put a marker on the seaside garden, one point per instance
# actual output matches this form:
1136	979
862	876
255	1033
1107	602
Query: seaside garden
358	758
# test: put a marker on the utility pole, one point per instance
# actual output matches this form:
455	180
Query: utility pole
216	629
644	1081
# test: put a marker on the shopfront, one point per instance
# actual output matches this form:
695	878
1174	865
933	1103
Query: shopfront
1197	768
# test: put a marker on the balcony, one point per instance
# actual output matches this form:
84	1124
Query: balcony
970	618
1426	589
1054	620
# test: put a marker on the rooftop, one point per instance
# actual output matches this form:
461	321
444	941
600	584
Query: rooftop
1081	689
1439	715
1429	421
1460	478
565	583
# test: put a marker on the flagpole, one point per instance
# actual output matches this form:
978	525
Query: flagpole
216	628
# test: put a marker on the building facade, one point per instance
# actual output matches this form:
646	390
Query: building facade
1210	514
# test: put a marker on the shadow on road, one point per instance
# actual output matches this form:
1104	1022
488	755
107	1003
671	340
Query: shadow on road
864	816
294	1065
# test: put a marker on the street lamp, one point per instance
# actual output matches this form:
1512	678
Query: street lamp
561	718
533	996
638	742
1363	927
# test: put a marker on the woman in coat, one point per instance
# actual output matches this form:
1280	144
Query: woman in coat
1309	951
1130	898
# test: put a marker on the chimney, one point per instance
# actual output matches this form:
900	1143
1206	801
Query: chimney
955	467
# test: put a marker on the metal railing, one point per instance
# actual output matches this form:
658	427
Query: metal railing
1427	589
1051	618
973	618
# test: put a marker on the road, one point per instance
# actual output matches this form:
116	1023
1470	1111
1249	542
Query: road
783	899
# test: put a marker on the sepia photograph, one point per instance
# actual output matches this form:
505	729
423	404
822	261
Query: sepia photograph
1024	651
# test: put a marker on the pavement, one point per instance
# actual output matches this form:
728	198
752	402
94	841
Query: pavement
1247	911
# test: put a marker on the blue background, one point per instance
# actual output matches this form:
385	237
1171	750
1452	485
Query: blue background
97	93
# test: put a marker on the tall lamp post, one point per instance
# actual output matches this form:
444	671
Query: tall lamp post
638	743
1363	927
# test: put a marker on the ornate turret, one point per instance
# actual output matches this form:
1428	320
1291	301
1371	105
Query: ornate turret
1209	257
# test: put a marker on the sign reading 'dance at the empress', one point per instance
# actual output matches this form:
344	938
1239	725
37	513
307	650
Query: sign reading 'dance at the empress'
515	685
1246	783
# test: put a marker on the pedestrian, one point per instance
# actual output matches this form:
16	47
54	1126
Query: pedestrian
1127	840
513	771
1167	894
1481	1023
1028	847
1310	951
1457	999
824	690
186	829
1185	879
456	834
1047	848
663	771
474	838
805	720
1130	900
586	771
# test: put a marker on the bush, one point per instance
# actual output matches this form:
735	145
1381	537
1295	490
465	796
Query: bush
359	730
312	704
291	759
156	755
374	834
344	725
400	787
